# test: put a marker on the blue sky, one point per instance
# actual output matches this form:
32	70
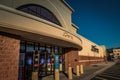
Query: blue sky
98	20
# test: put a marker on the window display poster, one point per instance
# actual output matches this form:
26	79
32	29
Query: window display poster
29	61
56	61
42	60
22	58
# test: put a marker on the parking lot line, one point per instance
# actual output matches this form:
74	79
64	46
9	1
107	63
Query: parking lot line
110	76
100	78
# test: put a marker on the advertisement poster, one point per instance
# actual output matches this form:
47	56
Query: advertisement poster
56	61
22	58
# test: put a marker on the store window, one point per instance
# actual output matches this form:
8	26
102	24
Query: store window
30	46
22	46
36	45
56	50
46	58
40	12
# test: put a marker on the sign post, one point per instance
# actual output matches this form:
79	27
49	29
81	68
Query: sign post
35	65
57	77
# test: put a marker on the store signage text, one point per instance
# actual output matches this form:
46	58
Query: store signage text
67	35
93	48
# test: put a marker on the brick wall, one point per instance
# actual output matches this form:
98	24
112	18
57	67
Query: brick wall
9	57
71	58
86	60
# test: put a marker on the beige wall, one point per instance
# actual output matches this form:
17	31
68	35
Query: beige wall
103	51
59	9
14	19
86	51
74	28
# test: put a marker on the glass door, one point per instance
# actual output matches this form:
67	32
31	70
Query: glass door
29	60
28	65
42	64
46	66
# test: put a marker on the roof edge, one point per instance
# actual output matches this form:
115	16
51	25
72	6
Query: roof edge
67	5
75	26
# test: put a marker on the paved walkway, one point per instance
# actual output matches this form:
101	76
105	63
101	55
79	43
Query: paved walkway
89	72
112	73
94	69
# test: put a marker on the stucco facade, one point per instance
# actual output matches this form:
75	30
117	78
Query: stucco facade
87	55
29	30
59	9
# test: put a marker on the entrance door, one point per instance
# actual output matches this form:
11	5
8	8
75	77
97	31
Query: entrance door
42	65
28	65
46	66
45	60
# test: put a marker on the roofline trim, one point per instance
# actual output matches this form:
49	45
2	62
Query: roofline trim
75	26
67	5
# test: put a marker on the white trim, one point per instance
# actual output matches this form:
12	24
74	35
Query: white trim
90	60
75	26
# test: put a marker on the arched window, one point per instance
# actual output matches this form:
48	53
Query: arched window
39	11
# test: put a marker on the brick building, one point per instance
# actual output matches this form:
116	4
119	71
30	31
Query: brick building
42	28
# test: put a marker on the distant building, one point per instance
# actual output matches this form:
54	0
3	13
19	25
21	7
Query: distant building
33	32
116	53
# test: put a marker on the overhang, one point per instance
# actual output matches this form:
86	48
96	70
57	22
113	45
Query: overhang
33	28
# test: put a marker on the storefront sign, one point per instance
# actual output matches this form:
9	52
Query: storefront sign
56	61
93	48
67	35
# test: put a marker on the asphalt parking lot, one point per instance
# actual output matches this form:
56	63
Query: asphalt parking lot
112	73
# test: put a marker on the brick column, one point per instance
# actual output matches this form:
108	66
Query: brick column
71	58
9	58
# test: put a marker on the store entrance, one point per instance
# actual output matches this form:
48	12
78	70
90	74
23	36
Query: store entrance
46	64
41	62
38	57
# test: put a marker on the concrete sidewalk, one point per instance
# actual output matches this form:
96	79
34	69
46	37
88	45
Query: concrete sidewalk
89	72
93	69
